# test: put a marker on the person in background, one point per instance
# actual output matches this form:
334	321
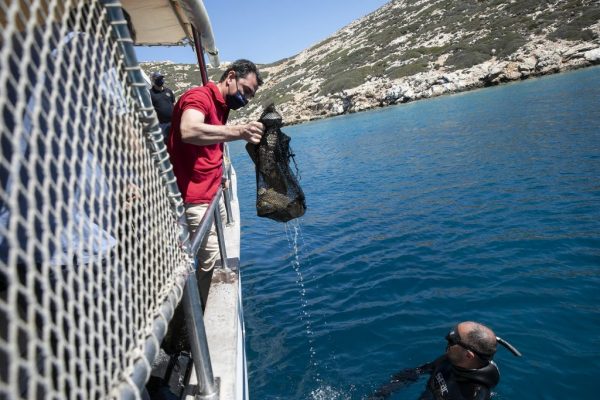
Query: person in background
465	371
163	101
195	145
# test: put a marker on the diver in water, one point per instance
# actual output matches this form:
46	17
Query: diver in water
465	371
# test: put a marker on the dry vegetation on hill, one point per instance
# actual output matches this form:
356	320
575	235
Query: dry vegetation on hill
412	49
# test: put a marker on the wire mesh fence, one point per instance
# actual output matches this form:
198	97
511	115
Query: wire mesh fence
90	261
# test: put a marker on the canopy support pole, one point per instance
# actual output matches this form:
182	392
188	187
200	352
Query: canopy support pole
200	55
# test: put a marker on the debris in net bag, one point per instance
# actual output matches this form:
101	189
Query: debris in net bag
278	193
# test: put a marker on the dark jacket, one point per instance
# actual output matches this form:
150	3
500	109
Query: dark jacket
449	382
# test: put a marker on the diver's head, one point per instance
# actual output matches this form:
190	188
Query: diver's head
470	345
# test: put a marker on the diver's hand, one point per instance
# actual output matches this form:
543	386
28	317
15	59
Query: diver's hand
252	132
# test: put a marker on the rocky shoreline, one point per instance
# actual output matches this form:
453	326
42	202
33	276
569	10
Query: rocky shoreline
537	58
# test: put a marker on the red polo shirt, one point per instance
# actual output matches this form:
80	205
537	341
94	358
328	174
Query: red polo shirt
198	169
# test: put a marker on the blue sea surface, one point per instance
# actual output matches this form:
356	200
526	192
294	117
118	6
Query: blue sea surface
479	206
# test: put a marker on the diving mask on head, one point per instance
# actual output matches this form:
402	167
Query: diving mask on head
453	338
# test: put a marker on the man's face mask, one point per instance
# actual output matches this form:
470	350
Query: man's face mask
159	81
237	100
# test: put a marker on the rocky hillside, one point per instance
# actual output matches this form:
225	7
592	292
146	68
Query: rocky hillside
413	49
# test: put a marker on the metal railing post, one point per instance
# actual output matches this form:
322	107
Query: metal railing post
227	201
220	237
207	387
205	223
227	178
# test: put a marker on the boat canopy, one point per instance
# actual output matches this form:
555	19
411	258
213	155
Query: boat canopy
169	23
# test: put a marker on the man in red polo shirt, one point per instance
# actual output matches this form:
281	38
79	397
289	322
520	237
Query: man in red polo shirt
195	143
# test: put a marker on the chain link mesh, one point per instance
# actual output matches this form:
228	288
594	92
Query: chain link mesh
90	261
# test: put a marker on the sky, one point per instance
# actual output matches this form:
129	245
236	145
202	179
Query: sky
266	31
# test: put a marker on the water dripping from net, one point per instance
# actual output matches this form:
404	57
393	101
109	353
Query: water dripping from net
293	233
323	390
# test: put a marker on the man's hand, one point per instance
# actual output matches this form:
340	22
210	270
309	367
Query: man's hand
252	132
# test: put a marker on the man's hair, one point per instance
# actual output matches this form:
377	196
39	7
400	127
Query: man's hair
482	340
242	68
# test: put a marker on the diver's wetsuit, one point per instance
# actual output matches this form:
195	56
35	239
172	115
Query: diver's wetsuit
447	382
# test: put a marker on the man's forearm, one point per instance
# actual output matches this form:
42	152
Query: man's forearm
202	134
195	131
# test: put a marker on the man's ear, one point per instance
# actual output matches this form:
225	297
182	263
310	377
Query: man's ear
231	75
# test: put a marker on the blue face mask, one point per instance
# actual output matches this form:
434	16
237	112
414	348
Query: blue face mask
237	100
159	81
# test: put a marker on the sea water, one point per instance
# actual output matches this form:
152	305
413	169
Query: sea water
479	206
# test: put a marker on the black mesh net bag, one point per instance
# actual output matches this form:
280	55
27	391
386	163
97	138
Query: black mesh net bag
278	194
